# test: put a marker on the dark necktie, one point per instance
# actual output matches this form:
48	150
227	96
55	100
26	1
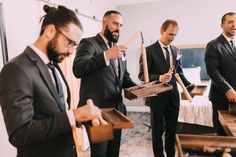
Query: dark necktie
115	61
167	56
110	44
58	85
233	46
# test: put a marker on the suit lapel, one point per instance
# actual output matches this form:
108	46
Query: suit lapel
104	48
67	86
101	42
174	52
227	46
42	67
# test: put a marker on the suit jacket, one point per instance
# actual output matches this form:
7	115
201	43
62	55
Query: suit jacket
157	66
220	64
35	123
99	82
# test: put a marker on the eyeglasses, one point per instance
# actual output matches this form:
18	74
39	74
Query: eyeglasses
71	43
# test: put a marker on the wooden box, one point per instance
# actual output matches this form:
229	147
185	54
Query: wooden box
146	90
115	119
204	146
197	90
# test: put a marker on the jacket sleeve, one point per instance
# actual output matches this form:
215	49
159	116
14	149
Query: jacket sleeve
87	59
16	99
181	74
212	61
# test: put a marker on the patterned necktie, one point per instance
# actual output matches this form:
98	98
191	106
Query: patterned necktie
233	46
115	61
167	56
58	85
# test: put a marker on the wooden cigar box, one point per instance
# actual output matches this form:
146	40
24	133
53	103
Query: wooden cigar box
197	90
204	146
115	119
146	90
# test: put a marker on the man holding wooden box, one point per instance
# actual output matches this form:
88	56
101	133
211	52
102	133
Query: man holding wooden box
34	94
101	65
163	60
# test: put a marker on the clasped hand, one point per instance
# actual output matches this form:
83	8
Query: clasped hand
165	78
231	96
116	52
87	112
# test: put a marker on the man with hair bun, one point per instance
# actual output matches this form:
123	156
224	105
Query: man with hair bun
34	94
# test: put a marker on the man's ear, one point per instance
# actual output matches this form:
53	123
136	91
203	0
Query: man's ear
161	31
50	31
221	25
104	22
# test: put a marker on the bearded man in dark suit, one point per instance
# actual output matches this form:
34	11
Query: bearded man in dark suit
34	94
101	65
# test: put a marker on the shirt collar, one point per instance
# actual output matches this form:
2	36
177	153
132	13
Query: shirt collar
104	39
42	55
162	45
228	39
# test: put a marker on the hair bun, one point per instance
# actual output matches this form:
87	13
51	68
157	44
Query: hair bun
48	9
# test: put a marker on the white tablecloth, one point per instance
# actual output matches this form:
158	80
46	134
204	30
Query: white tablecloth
199	111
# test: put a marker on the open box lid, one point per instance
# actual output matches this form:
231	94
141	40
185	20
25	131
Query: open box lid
146	90
116	118
198	90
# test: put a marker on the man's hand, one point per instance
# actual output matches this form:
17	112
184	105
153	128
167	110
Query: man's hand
87	112
166	77
231	96
115	52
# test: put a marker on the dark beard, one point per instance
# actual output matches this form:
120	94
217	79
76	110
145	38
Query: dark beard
109	36
52	53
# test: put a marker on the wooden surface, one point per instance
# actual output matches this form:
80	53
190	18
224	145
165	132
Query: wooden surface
228	122
197	90
193	142
117	119
101	133
146	90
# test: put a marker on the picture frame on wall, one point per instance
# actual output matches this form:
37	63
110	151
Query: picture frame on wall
3	40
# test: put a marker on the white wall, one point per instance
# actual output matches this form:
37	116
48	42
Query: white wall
22	28
199	23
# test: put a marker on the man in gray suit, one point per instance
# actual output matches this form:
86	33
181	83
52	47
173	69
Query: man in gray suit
103	74
220	59
35	98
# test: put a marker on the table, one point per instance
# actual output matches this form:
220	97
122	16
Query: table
228	122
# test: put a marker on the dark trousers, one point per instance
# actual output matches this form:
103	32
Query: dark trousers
164	116
107	149
217	126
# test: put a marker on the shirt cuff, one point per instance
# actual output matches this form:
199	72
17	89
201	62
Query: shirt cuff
160	78
106	60
71	118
